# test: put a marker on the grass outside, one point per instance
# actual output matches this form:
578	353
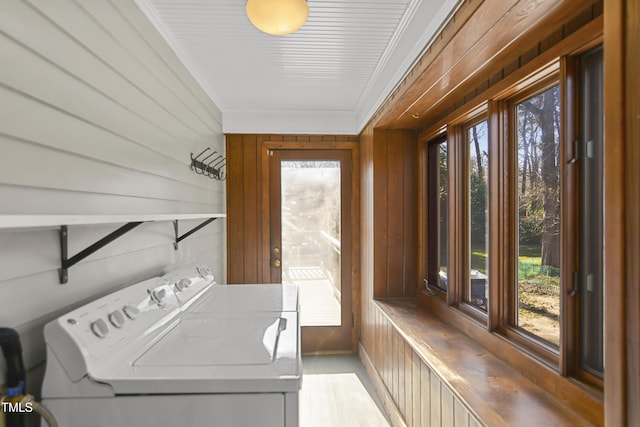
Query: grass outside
538	292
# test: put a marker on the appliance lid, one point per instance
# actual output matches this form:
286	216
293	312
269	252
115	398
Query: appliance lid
247	298
208	353
217	341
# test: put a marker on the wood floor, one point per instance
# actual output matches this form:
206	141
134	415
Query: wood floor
336	391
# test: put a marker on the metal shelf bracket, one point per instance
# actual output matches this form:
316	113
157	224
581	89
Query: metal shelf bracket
67	263
190	232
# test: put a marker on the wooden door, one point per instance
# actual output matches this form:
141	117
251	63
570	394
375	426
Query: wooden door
311	240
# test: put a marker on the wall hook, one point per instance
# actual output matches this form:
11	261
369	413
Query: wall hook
213	169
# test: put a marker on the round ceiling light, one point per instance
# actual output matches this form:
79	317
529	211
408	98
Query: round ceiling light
277	17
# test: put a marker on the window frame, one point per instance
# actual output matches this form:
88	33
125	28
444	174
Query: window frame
535	345
564	360
432	266
463	221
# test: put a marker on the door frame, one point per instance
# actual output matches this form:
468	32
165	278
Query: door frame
265	249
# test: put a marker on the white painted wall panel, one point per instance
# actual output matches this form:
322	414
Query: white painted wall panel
97	116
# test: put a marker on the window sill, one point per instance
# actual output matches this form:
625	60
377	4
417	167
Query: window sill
495	391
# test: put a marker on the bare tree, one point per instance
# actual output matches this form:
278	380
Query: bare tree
476	143
543	108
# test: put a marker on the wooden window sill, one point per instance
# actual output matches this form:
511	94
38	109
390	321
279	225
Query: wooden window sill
491	389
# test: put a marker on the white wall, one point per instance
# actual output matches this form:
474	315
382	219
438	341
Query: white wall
97	116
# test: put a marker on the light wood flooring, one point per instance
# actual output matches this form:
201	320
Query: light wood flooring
336	391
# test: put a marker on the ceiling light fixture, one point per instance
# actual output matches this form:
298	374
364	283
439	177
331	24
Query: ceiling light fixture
277	17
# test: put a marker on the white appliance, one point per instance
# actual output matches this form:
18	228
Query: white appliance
145	356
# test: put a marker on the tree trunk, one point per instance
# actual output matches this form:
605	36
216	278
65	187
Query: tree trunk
550	200
525	156
474	131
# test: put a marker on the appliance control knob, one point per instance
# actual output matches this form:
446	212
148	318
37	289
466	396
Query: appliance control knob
204	271
130	311
99	328
183	284
116	318
157	295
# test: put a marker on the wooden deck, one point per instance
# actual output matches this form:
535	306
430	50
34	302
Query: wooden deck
318	304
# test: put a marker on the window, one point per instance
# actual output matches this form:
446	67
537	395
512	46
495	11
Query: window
438	199
477	203
590	284
536	132
514	219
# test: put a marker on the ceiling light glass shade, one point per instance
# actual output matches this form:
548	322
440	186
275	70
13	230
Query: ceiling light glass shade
277	17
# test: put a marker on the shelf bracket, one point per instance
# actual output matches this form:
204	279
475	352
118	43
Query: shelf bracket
190	232
67	263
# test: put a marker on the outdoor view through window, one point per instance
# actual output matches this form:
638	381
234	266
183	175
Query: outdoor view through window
478	137
538	214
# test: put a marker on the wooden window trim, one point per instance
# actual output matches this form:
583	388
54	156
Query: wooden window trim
570	360
557	376
431	217
534	345
464	158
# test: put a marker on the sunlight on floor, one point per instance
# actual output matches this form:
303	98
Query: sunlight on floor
330	399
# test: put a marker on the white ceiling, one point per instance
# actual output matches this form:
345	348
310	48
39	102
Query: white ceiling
327	78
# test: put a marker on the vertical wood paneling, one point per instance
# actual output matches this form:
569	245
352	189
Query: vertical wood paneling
370	325
389	357
632	196
395	213
396	208
251	220
460	414
622	231
615	381
395	365
435	398
379	338
409	379
235	204
401	402
429	401
380	215
248	187
425	395
416	391
446	406
410	223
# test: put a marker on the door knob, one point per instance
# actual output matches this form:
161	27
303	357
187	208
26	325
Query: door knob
276	263
276	250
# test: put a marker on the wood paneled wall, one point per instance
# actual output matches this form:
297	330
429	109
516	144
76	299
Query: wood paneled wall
419	396
385	150
97	116
246	260
395	213
388	200
622	212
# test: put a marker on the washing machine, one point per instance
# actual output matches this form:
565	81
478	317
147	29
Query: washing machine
242	298
145	356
